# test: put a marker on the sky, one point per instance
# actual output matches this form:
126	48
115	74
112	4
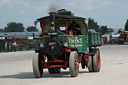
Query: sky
112	13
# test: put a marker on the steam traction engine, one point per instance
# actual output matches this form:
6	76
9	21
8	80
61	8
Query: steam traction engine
123	38
60	49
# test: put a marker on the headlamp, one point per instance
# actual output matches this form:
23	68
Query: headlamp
66	44
41	45
52	29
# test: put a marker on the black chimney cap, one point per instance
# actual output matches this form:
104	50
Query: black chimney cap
52	13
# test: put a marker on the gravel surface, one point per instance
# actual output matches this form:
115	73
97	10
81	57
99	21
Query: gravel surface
16	69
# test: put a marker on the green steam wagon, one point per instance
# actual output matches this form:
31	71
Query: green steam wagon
62	48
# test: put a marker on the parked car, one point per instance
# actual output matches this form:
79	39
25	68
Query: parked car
113	40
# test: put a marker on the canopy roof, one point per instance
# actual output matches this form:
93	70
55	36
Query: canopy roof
63	16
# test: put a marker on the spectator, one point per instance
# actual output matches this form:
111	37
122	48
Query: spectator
14	46
6	47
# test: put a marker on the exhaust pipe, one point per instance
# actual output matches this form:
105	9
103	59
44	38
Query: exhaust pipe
52	21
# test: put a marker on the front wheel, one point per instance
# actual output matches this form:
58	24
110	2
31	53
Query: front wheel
74	64
37	69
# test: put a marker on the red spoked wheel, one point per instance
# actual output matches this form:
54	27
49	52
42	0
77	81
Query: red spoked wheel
97	61
74	64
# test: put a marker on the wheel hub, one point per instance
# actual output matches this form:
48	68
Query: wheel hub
76	64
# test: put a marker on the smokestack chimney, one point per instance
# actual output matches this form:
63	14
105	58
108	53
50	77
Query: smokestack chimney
52	21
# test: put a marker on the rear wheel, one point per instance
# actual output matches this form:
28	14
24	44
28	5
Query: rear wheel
37	69
97	61
74	64
90	64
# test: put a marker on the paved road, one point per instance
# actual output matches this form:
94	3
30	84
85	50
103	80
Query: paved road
16	69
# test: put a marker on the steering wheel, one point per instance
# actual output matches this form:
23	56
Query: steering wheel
77	31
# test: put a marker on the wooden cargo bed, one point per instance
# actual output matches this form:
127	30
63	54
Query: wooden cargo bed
94	39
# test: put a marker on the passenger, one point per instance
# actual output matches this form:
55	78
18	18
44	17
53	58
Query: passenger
75	28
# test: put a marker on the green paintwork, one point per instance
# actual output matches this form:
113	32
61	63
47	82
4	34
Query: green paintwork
94	39
79	42
82	43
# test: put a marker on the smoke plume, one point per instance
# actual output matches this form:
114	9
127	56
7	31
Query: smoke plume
56	5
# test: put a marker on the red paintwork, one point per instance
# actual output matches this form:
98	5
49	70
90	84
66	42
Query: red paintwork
67	50
44	33
44	52
76	64
42	30
72	32
66	28
98	61
64	63
66	31
56	60
85	57
54	66
65	55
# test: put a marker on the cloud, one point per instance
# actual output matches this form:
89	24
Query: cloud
71	4
3	2
22	3
6	1
104	3
42	8
22	12
80	5
86	5
103	11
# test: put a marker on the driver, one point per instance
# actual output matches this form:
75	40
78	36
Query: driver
74	28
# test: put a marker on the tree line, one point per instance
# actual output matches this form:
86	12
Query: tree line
101	29
17	27
126	25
